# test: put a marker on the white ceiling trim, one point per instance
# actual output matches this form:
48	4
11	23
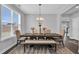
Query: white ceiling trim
45	8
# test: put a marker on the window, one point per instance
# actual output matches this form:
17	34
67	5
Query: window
6	22
10	22
15	21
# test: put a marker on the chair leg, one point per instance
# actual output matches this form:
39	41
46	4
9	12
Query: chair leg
17	42
63	43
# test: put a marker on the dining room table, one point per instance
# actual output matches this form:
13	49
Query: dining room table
43	36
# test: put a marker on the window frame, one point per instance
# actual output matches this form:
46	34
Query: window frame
19	20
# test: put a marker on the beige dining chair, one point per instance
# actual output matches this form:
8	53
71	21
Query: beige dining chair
18	36
60	40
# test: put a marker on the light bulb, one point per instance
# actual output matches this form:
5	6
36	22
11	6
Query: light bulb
39	18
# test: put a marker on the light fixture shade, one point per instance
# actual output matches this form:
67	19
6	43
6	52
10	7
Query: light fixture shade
39	18
77	7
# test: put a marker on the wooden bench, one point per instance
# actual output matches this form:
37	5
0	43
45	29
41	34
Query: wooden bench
39	42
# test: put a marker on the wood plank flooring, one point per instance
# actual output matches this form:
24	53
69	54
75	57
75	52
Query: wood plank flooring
40	50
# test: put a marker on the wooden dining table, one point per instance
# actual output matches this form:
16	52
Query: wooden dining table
36	35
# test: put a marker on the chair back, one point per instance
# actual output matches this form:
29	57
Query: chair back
62	33
17	32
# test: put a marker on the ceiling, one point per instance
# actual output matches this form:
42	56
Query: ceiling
73	10
45	8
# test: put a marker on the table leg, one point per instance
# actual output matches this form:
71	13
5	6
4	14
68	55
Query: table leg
55	47
24	48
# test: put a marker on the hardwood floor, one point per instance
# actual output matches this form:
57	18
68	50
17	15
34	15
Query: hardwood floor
40	50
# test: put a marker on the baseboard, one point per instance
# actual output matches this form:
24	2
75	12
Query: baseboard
6	52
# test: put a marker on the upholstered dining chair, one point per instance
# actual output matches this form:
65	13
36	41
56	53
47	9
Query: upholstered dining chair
60	40
19	38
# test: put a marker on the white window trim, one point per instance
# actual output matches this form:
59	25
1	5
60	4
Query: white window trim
19	22
12	34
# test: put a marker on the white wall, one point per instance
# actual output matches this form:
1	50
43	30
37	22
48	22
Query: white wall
8	43
50	20
75	28
0	22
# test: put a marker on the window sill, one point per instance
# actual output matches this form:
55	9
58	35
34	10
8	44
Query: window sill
6	38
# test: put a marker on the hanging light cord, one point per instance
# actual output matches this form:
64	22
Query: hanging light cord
39	10
39	13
